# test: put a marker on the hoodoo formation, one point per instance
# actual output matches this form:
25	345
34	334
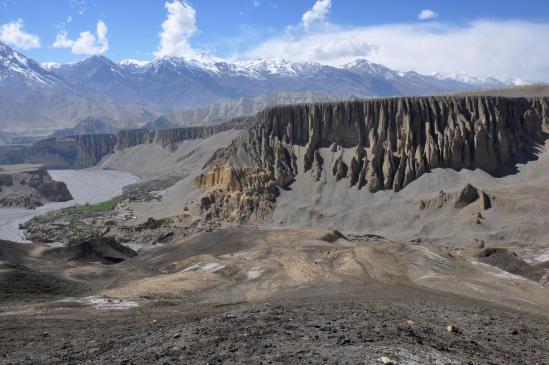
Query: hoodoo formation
392	142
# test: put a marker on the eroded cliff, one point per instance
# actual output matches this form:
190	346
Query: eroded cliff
392	142
169	138
84	151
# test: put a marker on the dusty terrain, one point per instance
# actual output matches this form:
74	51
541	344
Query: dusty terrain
314	330
192	265
281	296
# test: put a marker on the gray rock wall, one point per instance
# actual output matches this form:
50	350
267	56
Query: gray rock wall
132	137
87	150
405	137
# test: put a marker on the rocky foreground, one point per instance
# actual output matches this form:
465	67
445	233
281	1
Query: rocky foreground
386	329
29	186
271	296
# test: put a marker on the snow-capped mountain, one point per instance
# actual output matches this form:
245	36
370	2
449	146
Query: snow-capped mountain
479	81
182	82
18	72
364	67
273	67
172	84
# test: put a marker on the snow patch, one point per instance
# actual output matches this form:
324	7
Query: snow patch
496	271
209	267
112	303
254	273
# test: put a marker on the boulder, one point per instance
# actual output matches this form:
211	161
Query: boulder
478	243
466	196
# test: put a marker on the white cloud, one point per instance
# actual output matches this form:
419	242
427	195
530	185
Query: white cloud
87	43
257	3
69	19
483	48
80	5
13	34
317	13
427	14
179	26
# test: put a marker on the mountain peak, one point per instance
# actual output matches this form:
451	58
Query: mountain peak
97	60
19	72
357	62
365	67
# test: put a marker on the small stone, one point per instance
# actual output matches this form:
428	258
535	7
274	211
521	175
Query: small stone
478	243
452	329
386	360
177	335
410	322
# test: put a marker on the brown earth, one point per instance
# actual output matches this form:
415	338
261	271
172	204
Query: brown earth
247	295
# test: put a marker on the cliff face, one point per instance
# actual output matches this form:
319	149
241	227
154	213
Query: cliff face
132	137
92	148
62	153
392	141
169	138
87	150
29	186
237	194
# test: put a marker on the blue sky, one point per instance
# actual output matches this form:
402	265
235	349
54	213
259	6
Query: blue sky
488	37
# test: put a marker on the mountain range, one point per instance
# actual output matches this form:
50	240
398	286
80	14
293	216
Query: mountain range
38	98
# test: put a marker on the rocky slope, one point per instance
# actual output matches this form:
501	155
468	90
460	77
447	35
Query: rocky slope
29	186
377	144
